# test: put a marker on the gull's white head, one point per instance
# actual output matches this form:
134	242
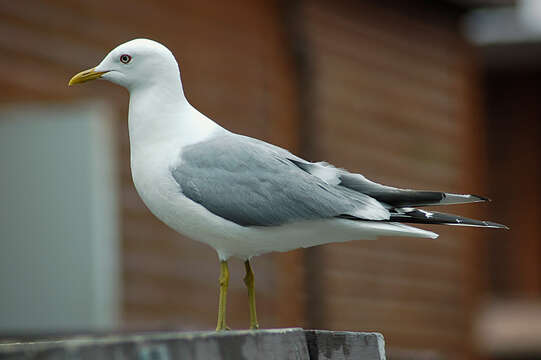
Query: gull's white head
135	64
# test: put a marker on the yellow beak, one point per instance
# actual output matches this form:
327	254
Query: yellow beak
85	76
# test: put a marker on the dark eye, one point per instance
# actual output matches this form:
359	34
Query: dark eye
125	58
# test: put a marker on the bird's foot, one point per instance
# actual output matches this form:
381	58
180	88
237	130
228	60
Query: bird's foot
223	327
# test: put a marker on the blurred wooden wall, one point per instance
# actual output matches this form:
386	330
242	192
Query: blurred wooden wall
384	88
514	134
393	95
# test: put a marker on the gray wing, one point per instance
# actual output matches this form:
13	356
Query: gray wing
394	197
400	202
253	183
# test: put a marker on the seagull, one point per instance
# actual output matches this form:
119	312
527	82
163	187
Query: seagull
242	196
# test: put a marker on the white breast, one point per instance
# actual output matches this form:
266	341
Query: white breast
151	172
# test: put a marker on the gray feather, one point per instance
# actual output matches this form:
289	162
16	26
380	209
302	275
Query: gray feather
253	183
392	196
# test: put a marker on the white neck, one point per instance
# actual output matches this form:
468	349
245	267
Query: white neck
161	114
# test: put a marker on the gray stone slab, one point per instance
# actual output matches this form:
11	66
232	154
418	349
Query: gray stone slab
344	345
274	344
287	344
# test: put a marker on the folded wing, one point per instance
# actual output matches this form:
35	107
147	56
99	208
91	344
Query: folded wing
401	203
253	183
392	196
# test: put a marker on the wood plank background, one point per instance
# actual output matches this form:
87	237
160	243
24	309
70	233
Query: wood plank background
382	88
392	97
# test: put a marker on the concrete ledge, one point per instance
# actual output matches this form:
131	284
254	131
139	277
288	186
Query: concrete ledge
286	344
344	345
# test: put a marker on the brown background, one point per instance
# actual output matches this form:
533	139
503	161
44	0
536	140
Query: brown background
380	87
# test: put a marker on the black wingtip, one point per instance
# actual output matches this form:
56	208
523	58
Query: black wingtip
432	217
481	198
496	225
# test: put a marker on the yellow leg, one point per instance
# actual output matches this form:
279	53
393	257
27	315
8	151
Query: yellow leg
249	281
224	283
